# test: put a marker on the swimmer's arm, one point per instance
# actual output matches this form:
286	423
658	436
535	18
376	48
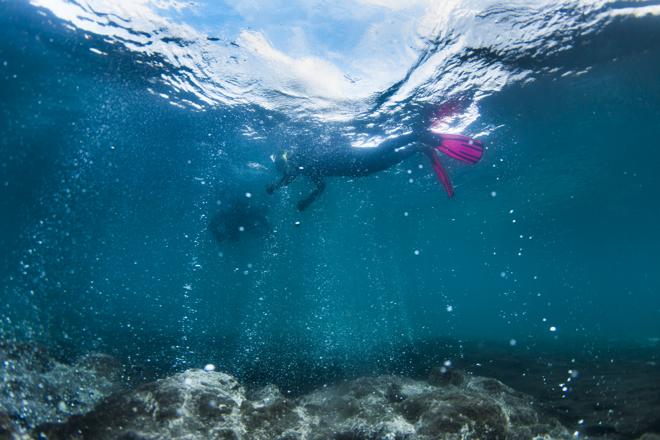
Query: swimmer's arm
320	187
284	181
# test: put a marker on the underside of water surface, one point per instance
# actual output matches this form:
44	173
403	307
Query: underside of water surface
139	243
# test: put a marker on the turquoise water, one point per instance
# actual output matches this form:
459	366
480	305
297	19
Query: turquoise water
127	129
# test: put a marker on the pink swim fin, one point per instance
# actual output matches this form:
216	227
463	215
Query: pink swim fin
459	147
440	172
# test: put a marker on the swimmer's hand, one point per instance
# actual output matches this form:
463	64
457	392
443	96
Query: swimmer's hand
304	204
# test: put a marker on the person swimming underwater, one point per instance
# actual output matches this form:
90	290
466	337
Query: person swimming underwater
348	161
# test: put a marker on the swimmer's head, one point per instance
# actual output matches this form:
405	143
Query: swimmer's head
281	161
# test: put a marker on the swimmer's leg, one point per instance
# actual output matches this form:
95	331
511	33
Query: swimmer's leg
398	149
320	187
398	143
284	181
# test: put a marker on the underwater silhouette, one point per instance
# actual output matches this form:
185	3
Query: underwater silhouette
236	218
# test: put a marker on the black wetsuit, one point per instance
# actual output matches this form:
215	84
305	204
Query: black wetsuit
345	160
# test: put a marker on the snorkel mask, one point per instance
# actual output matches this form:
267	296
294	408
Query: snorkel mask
281	161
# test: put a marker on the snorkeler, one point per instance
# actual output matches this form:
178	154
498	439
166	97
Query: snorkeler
348	161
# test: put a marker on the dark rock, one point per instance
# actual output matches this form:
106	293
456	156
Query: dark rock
212	405
427	412
194	404
35	354
442	376
278	418
37	389
270	413
599	430
102	365
616	386
492	385
134	436
265	394
394	393
8	430
484	418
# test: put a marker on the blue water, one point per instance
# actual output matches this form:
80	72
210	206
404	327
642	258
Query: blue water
127	127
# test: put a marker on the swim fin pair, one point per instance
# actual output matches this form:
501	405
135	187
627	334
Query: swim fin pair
459	147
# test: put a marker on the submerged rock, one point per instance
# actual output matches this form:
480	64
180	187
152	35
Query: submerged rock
35	388
197	404
8	429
